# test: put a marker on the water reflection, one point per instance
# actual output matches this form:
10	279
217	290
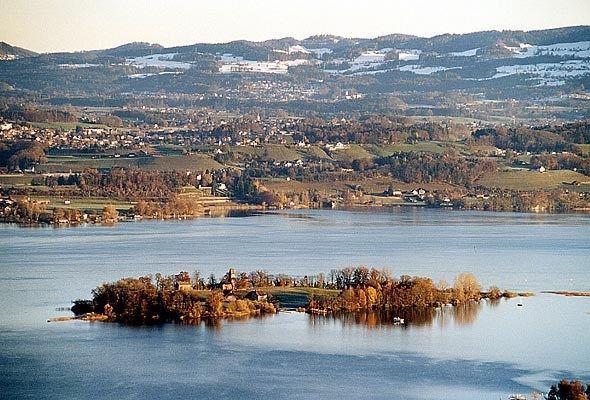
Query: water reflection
464	314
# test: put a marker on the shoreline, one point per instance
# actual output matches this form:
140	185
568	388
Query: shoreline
567	293
252	209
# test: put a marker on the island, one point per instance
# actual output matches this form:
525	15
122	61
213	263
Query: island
184	299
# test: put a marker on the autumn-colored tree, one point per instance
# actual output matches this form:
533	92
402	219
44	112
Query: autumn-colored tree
110	213
360	276
494	293
466	288
269	198
372	296
566	390
133	301
215	303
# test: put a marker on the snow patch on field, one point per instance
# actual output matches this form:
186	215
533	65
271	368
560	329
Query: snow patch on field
76	66
321	51
420	70
409	55
142	76
237	64
466	53
298	49
158	60
367	60
549	74
575	49
361	73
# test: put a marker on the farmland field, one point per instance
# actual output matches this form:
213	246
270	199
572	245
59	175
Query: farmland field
531	180
86	203
194	162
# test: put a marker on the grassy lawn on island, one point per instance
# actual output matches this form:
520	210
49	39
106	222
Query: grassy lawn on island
293	297
288	297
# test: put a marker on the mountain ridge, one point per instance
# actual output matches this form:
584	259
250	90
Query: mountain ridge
443	42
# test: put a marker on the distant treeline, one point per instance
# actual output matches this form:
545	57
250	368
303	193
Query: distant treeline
426	167
21	154
54	115
129	183
547	138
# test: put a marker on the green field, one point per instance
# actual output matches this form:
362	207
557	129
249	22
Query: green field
482	149
65	126
83	203
352	152
17	179
193	162
170	149
420	147
531	180
279	152
315	153
78	164
282	153
584	147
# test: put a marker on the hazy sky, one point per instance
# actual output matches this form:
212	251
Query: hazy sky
66	25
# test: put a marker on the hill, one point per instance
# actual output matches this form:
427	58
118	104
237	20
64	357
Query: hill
328	74
8	52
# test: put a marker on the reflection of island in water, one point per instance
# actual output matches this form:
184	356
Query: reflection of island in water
463	314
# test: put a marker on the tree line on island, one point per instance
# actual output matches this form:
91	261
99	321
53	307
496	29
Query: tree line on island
569	390
184	299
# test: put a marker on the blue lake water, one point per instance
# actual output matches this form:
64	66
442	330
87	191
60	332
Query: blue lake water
486	351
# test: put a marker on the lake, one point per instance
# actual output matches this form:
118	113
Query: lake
485	351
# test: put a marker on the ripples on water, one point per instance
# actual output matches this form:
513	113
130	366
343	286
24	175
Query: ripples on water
483	350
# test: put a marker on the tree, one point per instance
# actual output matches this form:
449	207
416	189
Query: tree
211	282
321	280
372	296
494	293
259	278
466	288
133	301
269	198
360	276
573	390
215	303
110	213
198	281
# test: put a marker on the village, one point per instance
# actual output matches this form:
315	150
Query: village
280	162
